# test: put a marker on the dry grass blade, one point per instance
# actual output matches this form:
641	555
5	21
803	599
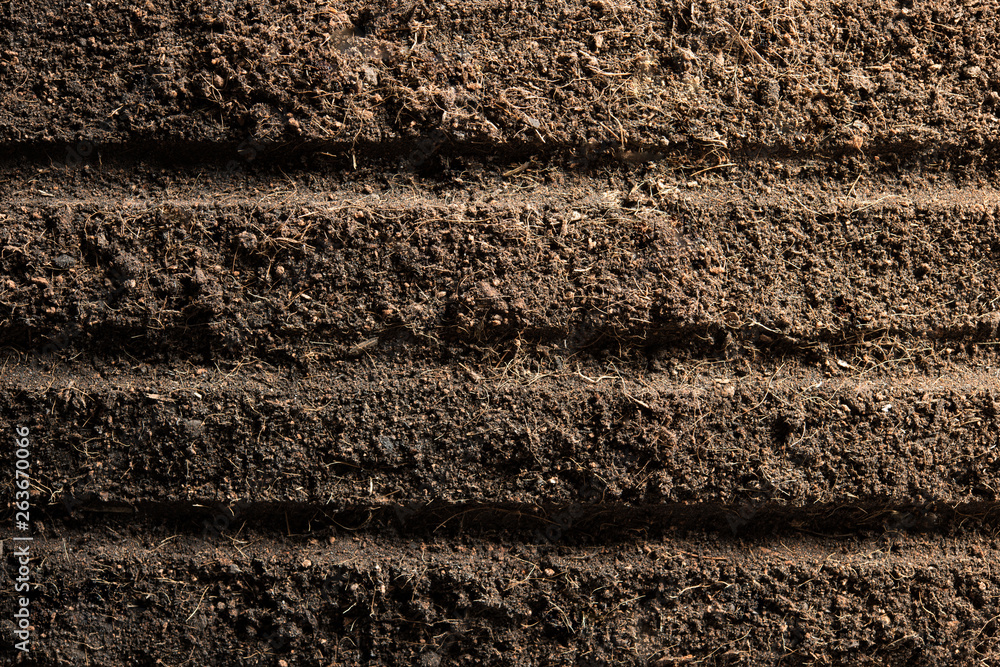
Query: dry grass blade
744	44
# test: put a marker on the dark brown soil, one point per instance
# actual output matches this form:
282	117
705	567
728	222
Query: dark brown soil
484	333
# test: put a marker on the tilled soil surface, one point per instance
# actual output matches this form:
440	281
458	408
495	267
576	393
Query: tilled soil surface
485	333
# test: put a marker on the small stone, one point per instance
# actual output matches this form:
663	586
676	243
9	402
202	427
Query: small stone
193	427
972	72
768	93
248	240
65	262
430	660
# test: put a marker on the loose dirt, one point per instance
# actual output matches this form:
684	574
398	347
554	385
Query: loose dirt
600	333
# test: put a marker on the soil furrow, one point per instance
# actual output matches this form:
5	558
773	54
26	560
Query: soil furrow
716	74
529	431
642	266
343	598
587	523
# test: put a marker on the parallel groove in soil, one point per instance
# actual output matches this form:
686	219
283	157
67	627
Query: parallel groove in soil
590	523
409	156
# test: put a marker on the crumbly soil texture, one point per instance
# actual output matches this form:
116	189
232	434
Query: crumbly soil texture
485	333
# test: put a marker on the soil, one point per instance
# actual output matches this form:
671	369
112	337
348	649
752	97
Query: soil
595	333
